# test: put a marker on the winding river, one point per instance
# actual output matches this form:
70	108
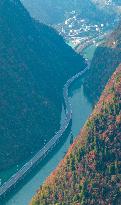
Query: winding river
81	109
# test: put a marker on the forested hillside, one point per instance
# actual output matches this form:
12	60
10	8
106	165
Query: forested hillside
90	173
106	58
51	12
34	65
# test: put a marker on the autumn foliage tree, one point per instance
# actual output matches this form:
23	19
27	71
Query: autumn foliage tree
90	173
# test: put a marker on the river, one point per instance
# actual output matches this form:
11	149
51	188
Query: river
81	109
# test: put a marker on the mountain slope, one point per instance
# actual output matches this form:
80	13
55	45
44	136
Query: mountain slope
49	12
34	65
106	58
90	173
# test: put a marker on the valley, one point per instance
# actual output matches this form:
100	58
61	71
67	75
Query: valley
8	185
90	172
76	96
60	94
35	63
79	28
80	33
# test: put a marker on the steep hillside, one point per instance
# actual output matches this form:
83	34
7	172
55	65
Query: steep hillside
49	12
106	58
109	6
91	170
34	65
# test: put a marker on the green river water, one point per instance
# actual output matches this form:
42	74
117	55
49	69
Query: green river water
81	110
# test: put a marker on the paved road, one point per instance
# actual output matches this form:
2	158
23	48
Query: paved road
28	166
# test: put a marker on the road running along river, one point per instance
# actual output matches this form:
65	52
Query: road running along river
57	137
81	109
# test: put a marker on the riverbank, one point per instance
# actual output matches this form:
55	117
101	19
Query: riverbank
79	104
49	146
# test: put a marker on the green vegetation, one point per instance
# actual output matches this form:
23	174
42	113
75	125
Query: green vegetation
35	63
49	12
106	59
90	173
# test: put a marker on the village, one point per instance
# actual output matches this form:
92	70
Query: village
80	33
